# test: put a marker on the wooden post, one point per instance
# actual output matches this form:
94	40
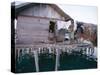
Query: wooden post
92	51
87	51
27	50
30	51
39	50
50	50
18	54
67	50
63	50
57	60
84	52
23	51
36	60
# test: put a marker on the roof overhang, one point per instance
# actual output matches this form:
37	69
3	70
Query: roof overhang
16	9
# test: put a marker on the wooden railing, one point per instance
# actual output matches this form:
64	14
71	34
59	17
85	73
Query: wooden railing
56	49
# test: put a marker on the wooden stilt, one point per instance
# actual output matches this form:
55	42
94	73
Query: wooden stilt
92	51
87	51
57	60
39	50
23	51
36	60
84	51
18	54
50	50
27	50
30	51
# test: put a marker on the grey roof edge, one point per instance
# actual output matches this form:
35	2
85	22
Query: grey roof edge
57	8
21	7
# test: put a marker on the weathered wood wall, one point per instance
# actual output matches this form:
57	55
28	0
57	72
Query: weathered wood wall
33	24
31	30
42	10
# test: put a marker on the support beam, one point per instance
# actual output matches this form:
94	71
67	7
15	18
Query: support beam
57	60
18	50
87	51
92	50
27	50
36	60
49	50
23	51
39	50
30	50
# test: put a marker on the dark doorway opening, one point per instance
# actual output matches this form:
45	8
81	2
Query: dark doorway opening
52	27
